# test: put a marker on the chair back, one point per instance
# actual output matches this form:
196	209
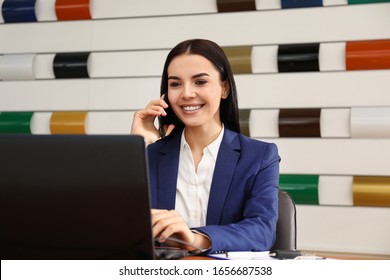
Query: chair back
286	236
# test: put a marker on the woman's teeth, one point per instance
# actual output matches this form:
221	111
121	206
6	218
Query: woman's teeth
191	108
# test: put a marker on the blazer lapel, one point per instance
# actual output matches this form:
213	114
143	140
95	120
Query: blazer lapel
168	163
228	155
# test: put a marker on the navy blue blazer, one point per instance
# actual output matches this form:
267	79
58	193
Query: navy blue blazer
243	204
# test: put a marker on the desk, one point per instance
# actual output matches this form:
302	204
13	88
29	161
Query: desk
349	256
328	255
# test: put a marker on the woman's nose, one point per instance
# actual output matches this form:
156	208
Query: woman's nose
188	91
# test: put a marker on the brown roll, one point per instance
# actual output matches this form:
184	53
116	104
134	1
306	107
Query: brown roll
299	122
225	6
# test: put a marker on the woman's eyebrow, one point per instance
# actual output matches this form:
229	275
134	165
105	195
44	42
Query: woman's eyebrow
200	75
193	77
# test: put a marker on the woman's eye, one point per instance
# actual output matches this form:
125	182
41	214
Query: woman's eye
200	82
174	84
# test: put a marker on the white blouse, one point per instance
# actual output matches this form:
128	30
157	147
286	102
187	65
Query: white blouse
193	188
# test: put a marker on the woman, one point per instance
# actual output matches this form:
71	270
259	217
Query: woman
211	187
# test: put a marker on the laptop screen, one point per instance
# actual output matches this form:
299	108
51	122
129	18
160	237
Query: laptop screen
74	197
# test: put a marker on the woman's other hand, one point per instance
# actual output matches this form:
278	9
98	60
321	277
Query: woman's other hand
166	223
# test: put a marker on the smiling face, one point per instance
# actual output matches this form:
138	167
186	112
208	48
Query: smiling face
195	91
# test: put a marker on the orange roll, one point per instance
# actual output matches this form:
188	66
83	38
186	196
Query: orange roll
72	9
68	123
368	55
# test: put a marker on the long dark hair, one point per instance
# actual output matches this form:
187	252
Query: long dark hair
211	51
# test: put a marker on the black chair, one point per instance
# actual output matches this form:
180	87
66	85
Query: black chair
286	227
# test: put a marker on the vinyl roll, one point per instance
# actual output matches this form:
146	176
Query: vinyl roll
265	59
370	122
240	59
268	5
299	123
264	123
371	191
335	190
17	67
40	123
1	13
288	4
332	56
236	5
68	123
72	9
298	58
45	10
335	2
244	121
71	65
18	11
303	188
335	122
43	66
368	55
15	122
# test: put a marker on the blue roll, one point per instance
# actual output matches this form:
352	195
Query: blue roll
19	11
289	4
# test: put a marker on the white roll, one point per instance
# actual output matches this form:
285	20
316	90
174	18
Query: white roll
268	4
332	56
265	59
264	123
40	123
17	67
1	14
370	122
43	66
45	10
335	122
335	2
335	190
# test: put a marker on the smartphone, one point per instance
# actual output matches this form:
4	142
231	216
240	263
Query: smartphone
170	118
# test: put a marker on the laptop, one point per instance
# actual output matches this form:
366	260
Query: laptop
74	197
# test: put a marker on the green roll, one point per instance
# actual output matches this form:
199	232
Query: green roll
303	188
15	122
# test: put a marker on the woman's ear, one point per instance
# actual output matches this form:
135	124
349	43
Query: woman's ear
225	90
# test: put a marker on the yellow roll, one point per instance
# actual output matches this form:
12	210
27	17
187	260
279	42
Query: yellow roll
371	191
68	123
